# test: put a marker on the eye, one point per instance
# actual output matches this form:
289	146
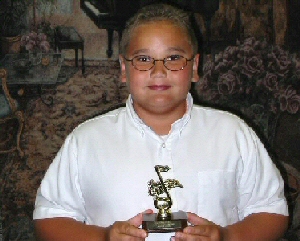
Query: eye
143	58
174	57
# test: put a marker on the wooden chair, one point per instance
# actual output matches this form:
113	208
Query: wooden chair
9	111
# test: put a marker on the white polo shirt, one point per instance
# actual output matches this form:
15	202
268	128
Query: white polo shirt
100	175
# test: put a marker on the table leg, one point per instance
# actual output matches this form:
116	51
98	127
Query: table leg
82	60
110	33
76	57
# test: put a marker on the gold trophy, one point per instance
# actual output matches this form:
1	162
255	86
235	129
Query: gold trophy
164	221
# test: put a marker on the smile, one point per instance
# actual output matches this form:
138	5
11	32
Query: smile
159	87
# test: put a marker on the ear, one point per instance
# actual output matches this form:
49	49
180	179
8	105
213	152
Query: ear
195	76
123	69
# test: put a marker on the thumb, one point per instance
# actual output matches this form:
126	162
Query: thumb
137	220
196	220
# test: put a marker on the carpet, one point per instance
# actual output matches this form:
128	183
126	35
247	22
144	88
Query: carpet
76	98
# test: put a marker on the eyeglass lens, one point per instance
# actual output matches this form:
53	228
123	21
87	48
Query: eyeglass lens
171	63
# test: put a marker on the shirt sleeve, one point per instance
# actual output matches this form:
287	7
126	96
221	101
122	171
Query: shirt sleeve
59	194
260	183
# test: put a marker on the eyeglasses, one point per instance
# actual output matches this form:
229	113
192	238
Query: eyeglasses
172	62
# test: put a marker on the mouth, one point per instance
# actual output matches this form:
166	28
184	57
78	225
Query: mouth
159	87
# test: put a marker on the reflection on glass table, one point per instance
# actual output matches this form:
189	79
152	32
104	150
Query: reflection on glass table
32	75
32	69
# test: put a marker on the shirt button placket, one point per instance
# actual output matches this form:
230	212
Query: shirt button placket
166	156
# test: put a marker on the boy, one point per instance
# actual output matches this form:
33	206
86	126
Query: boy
96	188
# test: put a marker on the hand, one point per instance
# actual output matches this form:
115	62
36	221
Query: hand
128	230
201	230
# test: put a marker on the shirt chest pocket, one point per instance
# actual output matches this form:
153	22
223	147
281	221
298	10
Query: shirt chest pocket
218	196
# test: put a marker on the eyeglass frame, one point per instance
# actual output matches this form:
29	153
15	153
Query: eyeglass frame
154	60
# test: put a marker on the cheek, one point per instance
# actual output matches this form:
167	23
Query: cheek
182	77
137	78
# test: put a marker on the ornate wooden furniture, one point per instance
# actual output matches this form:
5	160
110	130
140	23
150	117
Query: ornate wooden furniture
8	111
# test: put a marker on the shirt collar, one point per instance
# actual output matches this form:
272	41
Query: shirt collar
177	126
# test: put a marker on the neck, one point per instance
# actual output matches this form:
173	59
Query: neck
161	122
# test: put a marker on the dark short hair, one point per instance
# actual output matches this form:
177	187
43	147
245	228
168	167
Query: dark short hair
159	12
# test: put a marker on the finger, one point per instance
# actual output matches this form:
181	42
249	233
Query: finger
148	211
123	229
135	232
210	230
194	219
137	220
202	230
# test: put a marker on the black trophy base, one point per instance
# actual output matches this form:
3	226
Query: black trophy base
177	222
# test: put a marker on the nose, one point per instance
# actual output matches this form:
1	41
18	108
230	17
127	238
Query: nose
158	69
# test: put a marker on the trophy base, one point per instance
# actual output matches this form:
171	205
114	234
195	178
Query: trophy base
177	222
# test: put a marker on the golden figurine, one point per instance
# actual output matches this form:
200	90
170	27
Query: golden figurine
163	221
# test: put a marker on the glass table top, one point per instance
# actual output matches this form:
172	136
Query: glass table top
32	69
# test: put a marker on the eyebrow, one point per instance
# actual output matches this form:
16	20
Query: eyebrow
177	49
140	51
